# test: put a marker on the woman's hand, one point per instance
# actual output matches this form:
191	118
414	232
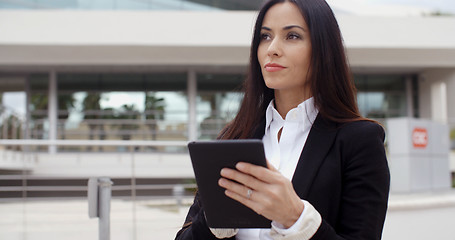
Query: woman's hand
265	190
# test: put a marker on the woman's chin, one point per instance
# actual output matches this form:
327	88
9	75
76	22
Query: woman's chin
273	84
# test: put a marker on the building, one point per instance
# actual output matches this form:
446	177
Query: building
113	71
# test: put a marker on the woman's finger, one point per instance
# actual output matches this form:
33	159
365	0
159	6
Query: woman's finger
258	172
235	187
251	202
239	198
277	201
237	191
240	177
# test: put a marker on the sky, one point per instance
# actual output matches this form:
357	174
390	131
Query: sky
392	7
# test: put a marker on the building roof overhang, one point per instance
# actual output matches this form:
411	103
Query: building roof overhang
53	39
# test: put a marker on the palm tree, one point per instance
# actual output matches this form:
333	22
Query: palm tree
38	110
213	123
39	107
128	112
155	106
65	104
92	111
91	108
12	125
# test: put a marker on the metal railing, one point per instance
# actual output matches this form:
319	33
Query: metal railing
106	125
24	173
175	193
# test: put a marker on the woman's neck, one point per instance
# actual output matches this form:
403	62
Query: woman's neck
285	101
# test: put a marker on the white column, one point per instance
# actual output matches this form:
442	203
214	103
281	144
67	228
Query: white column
409	97
52	110
192	93
435	98
439	102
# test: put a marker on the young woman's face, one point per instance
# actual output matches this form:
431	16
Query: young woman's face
285	49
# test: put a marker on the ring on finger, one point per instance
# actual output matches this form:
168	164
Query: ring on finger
249	193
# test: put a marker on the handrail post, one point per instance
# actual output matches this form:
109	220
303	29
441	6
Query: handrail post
178	191
99	197
105	185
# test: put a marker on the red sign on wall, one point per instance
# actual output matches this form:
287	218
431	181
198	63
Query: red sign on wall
420	138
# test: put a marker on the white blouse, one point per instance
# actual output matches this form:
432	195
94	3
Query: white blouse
284	156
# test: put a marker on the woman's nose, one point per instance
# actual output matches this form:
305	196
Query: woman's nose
274	48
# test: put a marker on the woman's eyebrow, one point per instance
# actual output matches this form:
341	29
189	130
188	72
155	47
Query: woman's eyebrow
294	26
284	28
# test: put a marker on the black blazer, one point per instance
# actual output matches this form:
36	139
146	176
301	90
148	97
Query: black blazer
342	172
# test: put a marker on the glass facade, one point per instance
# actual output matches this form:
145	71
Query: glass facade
101	106
155	106
381	96
134	106
218	100
194	5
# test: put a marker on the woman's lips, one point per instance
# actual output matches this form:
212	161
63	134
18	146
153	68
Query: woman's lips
273	67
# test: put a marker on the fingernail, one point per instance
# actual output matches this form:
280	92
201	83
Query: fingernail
240	166
221	182
226	193
224	172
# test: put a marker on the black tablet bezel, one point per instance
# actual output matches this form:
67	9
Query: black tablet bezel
208	158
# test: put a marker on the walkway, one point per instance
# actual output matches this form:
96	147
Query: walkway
419	216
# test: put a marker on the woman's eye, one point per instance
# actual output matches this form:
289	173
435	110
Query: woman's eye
293	36
265	36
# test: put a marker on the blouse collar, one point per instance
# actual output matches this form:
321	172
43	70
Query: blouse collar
305	112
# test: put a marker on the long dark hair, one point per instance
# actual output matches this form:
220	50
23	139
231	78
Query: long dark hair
329	79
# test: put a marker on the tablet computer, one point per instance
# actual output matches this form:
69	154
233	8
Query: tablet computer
208	158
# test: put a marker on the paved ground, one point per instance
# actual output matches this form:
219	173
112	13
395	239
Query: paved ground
68	220
420	216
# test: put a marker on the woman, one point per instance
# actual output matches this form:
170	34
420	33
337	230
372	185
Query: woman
327	175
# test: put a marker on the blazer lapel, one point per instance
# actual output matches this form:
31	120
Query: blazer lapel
319	141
